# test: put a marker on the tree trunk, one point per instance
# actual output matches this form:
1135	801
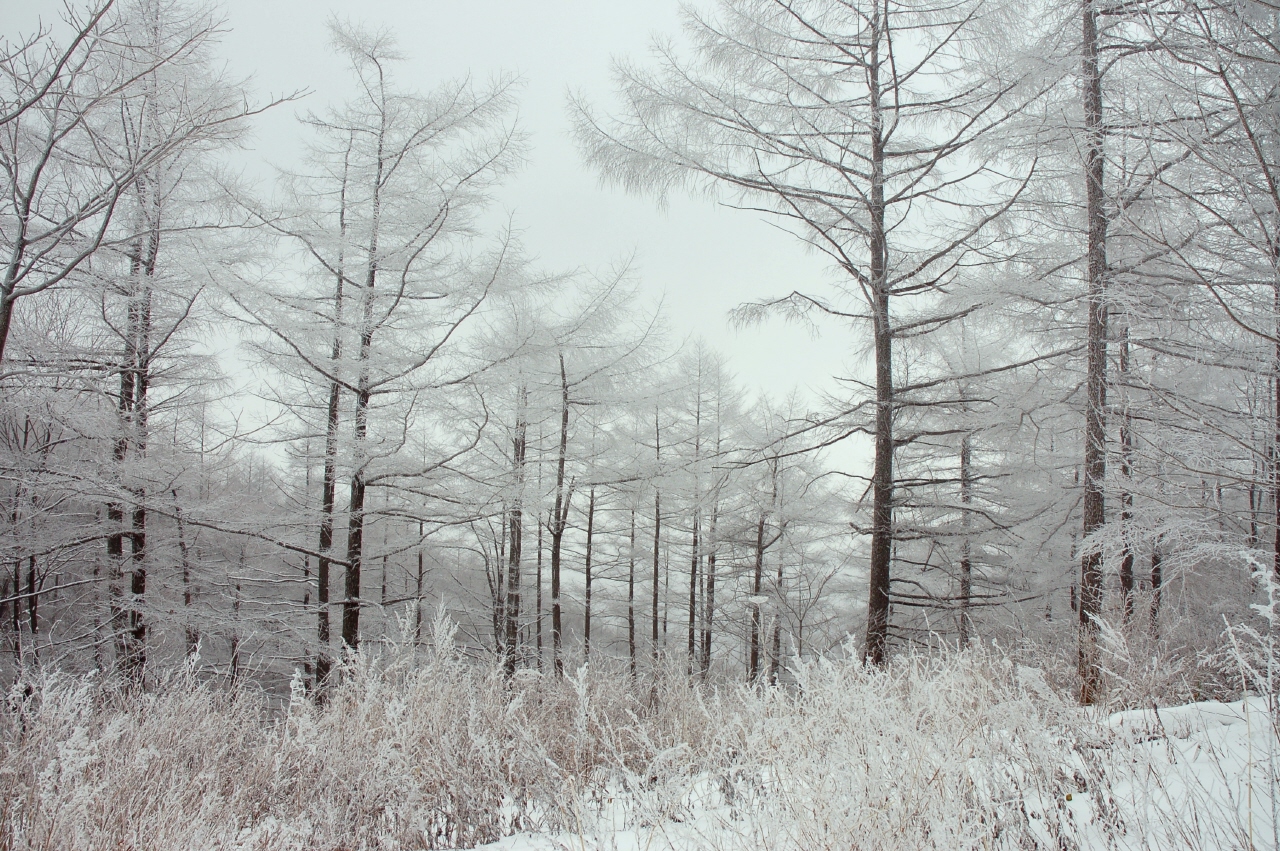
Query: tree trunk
191	634
1126	476
693	597
560	517
329	478
631	596
966	521
1157	581
709	601
516	532
875	650
356	519
775	653
753	657
1275	398
586	613
1095	460
538	592
417	591
657	532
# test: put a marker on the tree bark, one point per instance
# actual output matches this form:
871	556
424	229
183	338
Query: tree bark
191	634
1157	582
966	556
560	517
1095	461
1126	475
516	531
631	596
657	533
709	601
693	596
586	613
882	484
753	656
329	477
356	518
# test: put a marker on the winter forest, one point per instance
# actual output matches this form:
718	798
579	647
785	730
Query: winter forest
334	516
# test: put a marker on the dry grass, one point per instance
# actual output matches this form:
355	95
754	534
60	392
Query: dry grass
964	751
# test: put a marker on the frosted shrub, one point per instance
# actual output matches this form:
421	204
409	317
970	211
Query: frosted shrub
426	751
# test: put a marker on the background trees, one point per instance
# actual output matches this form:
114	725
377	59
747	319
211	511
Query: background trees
1061	393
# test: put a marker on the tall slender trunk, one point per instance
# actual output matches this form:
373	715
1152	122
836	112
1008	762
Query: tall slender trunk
1095	460
757	577
882	483
709	600
1275	398
1126	476
586	612
329	477
631	595
775	652
191	633
33	603
560	517
538	593
966	522
519	448
234	665
129	624
696	524
1157	584
693	595
417	590
15	624
498	587
657	532
356	511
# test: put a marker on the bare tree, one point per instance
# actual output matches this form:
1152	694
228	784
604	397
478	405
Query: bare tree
861	125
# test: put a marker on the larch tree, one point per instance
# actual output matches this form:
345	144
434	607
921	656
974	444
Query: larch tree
869	128
385	223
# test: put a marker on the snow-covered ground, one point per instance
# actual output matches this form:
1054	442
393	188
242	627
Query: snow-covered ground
951	752
1199	776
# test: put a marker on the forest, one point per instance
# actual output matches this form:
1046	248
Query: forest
332	462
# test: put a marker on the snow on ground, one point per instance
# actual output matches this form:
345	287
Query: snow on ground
1202	775
1199	776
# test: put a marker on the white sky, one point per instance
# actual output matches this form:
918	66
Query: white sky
701	259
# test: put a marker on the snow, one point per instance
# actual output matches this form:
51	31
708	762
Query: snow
1202	775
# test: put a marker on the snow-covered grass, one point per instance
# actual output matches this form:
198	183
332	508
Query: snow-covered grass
954	752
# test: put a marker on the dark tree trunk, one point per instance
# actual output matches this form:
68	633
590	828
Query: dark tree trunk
709	601
775	653
417	590
753	656
657	533
329	476
1095	460
33	602
538	592
1126	476
191	634
355	534
1275	399
516	531
693	596
882	490
356	518
560	517
631	596
1157	582
966	554
586	612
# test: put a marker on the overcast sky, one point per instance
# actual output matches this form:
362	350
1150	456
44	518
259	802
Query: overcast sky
701	259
